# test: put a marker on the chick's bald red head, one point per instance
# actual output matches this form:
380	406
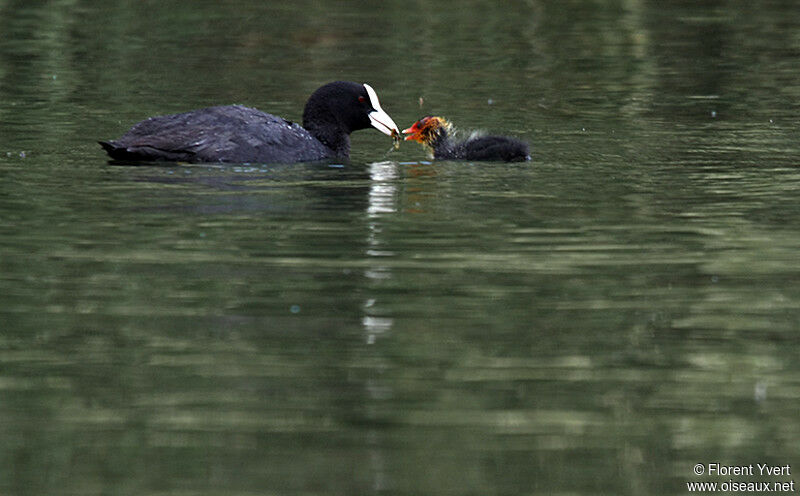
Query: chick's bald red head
423	131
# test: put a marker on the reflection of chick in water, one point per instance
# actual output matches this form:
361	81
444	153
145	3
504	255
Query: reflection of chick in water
435	135
421	191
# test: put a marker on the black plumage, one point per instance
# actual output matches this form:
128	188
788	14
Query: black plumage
434	133
238	134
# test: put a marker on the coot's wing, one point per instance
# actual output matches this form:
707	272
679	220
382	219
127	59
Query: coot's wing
230	133
242	134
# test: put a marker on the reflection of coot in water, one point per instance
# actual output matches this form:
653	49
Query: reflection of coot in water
434	134
233	133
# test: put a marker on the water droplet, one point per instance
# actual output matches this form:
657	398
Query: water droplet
295	309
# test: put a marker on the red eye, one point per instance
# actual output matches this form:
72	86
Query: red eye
362	99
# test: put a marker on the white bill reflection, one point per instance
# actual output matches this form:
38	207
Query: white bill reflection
382	201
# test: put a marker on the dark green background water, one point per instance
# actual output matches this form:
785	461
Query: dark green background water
596	321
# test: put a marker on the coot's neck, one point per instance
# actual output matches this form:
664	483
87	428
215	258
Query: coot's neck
441	144
440	137
327	128
330	135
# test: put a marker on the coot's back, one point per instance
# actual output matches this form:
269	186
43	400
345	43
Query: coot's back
229	133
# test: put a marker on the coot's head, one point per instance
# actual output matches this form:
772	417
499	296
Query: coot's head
427	130
347	107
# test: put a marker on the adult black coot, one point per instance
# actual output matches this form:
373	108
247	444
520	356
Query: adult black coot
233	133
435	135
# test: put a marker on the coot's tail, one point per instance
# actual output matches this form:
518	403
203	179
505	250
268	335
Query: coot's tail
108	146
115	150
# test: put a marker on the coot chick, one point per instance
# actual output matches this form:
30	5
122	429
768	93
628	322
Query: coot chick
233	133
435	135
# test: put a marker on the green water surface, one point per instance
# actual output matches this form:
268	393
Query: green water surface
595	321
